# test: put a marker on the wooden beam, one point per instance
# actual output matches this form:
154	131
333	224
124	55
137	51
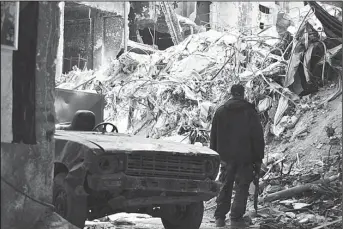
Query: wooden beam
328	224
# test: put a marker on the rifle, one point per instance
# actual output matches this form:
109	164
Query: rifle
257	187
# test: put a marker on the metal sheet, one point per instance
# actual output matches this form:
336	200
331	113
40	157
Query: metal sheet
67	102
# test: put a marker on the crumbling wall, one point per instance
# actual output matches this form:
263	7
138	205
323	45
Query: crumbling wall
108	37
203	14
244	16
223	15
233	15
95	31
98	39
185	8
245	22
113	37
29	168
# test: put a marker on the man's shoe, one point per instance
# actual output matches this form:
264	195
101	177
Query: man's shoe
241	222
220	223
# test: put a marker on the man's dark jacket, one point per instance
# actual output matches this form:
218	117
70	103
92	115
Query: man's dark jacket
237	133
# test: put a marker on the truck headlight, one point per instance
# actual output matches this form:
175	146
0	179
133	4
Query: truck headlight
111	163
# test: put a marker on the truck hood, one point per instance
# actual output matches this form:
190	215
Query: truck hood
111	142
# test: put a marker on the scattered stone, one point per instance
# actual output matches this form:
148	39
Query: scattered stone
290	215
300	205
319	146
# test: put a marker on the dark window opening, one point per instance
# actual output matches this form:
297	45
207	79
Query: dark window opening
132	25
261	25
24	73
264	9
162	40
277	3
77	44
149	35
175	4
78	37
203	14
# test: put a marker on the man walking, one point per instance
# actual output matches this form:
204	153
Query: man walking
237	136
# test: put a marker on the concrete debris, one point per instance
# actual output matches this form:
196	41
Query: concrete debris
173	94
297	204
319	146
264	104
172	86
176	81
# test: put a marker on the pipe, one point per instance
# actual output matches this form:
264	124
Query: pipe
126	13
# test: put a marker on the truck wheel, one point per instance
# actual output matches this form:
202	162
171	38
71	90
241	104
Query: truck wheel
71	207
185	217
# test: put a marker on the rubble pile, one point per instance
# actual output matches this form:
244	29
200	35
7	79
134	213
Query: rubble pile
166	91
292	197
172	94
175	92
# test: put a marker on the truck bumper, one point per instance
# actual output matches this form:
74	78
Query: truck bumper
121	182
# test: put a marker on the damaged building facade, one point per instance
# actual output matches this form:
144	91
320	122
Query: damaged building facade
100	25
243	15
204	15
94	33
150	25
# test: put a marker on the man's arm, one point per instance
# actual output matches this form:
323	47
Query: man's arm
257	137
213	140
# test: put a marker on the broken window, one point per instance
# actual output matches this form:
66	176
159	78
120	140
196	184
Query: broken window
78	33
132	25
264	9
162	40
261	25
148	32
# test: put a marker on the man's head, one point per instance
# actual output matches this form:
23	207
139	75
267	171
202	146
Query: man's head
237	91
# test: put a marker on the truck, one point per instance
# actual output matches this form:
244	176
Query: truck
100	171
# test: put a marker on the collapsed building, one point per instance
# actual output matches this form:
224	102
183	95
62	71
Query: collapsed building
94	32
204	59
286	60
183	102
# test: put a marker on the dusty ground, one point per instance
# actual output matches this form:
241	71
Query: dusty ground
138	221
